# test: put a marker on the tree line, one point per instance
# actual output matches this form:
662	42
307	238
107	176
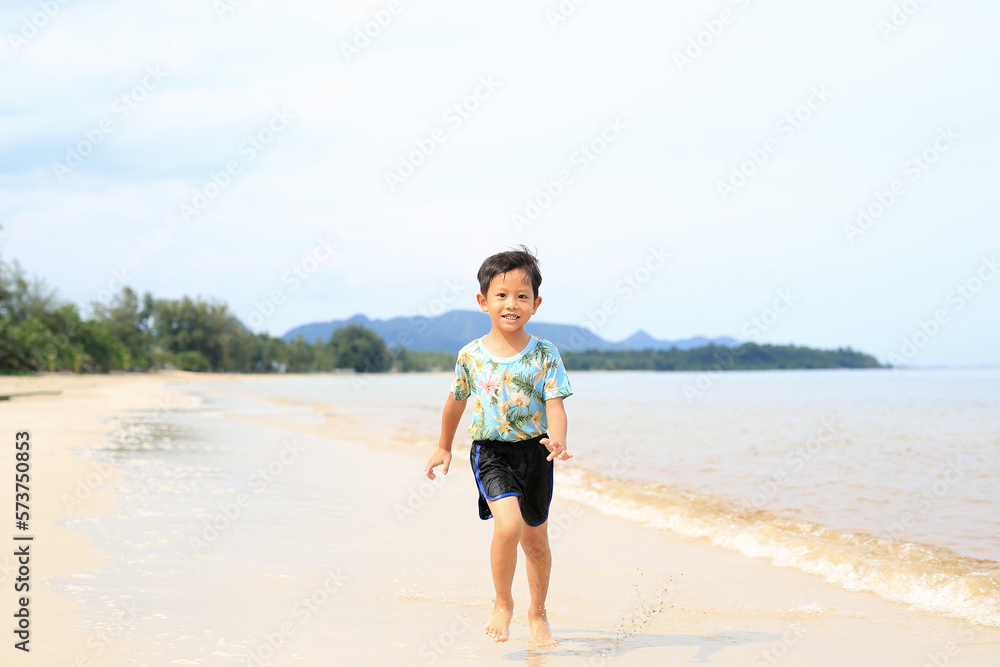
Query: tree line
38	332
748	356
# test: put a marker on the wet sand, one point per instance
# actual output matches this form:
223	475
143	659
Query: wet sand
64	484
350	556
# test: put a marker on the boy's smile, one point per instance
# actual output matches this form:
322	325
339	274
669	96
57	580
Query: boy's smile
510	301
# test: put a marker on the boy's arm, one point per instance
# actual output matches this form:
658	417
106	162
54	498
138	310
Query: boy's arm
452	414
555	415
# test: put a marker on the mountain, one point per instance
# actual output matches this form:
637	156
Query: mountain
449	331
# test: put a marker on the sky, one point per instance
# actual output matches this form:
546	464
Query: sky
820	174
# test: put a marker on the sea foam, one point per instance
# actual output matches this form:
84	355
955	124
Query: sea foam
928	577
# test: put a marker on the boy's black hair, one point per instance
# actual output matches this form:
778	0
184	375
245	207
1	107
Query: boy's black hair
502	262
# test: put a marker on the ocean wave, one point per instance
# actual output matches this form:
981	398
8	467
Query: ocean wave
928	577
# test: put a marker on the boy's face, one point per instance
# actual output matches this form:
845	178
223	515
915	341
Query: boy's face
510	301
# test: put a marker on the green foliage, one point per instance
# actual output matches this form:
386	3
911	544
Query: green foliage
21	297
748	356
101	348
358	347
407	360
131	323
23	344
191	360
200	326
130	332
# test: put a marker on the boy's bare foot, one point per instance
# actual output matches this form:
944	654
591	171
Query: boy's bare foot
541	633
498	626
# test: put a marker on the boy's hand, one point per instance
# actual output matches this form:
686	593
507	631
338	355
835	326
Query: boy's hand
557	450
440	457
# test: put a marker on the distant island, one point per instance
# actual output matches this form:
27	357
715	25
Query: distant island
449	331
433	342
742	357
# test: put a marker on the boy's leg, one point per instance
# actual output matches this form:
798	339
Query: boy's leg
507	527
538	556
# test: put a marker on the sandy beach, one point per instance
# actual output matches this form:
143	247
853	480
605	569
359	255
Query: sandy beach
331	548
64	484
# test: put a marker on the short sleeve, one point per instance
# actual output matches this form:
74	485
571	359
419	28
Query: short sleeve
460	387
556	381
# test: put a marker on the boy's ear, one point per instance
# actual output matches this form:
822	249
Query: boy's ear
483	305
538	302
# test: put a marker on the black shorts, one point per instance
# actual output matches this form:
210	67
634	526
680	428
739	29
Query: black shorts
514	469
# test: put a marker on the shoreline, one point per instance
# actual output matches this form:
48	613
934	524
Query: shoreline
418	555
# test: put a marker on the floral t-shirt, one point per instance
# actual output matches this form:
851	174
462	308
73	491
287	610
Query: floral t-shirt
509	393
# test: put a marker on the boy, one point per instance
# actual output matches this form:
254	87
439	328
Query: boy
518	384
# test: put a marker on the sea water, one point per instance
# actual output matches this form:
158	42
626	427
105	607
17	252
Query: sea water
878	480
